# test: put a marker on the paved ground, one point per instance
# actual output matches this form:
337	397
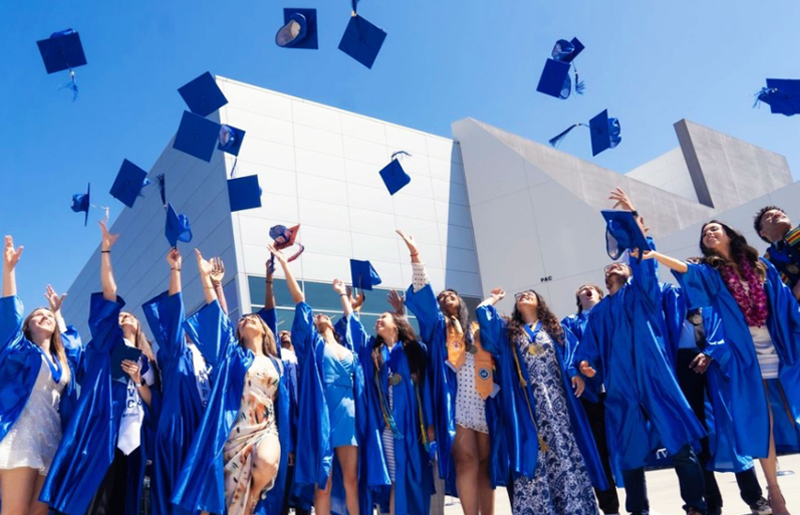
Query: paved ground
665	495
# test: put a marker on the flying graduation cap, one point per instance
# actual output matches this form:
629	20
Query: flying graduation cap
623	233
177	227
63	51
202	95
363	274
361	40
283	238
782	95
299	29
129	183
555	80
605	133
81	203
393	175
244	193
197	136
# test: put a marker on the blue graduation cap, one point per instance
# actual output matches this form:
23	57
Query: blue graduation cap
244	193
230	139
782	95
605	132
623	233
129	183
362	40
393	175
299	29
177	227
63	51
555	80
202	95
81	203
197	136
363	275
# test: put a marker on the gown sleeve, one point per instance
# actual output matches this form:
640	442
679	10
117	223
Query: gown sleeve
165	314
73	347
588	348
425	307
493	328
305	338
104	322
211	330
10	320
570	348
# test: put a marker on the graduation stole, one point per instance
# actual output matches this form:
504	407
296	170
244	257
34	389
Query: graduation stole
484	376
786	257
386	410
523	384
53	363
423	433
456	347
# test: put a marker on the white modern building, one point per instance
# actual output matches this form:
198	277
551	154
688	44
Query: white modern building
488	208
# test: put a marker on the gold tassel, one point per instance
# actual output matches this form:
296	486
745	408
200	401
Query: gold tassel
542	445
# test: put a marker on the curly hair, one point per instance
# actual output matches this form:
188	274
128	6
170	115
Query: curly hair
416	355
760	215
740	249
550	323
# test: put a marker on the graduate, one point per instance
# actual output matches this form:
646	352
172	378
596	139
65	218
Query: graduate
400	441
39	361
468	424
186	390
103	452
235	465
329	394
774	227
553	455
760	321
593	400
624	346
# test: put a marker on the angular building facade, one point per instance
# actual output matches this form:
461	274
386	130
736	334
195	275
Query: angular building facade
488	208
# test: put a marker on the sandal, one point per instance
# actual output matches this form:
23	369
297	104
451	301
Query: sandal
776	500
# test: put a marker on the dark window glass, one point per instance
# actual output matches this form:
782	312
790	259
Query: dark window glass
258	289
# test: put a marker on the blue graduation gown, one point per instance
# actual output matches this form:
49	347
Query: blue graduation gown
182	408
521	435
624	341
314	461
20	362
201	483
705	287
413	473
444	386
88	443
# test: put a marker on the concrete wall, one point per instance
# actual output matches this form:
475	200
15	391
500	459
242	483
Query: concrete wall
668	172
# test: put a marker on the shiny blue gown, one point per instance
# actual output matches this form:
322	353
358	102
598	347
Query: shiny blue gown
87	446
182	407
201	483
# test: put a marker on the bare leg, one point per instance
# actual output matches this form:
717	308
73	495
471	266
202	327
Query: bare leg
391	501
485	490
770	467
16	489
322	499
37	507
465	455
348	459
266	460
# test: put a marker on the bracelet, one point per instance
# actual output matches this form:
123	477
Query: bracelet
175	269
105	252
212	288
415	254
343	295
269	282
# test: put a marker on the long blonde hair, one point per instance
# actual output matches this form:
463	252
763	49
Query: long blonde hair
140	341
56	345
270	348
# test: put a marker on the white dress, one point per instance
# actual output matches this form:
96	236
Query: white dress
34	437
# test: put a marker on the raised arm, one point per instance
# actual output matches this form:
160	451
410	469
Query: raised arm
269	295
294	288
217	275
10	259
420	298
205	268
344	297
70	338
165	313
10	305
673	264
106	272
175	262
492	326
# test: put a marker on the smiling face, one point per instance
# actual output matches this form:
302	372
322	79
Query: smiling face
41	324
527	304
128	322
715	238
449	303
774	225
386	327
323	322
250	327
616	275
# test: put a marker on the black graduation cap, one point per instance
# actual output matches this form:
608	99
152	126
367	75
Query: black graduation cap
81	203
299	29
393	175
363	274
244	193
197	136
129	183
202	95
605	132
361	40
782	95
623	233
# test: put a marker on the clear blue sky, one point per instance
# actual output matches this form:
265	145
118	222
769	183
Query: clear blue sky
650	62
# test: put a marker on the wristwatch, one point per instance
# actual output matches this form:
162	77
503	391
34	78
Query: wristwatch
143	383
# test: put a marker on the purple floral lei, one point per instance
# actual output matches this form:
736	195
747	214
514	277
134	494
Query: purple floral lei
753	303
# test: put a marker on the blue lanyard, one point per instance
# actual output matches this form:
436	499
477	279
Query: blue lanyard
55	365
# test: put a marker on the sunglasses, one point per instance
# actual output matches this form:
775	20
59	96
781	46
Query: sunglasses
524	295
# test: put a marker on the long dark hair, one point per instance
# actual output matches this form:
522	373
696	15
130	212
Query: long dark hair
550	323
740	249
415	354
462	316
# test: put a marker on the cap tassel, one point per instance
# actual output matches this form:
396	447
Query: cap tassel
543	445
71	85
233	170
162	188
763	96
580	86
555	141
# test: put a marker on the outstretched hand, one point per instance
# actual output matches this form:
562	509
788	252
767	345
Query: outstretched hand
174	258
11	255
277	253
53	299
356	301
621	200
397	300
410	242
498	294
339	287
108	240
204	267
217	270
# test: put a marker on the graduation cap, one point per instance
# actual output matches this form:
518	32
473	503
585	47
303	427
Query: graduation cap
555	80
605	133
197	136
230	139
363	274
244	193
782	95
80	203
299	29
177	227
202	95
63	51
623	233
129	183
393	175
283	238
361	40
